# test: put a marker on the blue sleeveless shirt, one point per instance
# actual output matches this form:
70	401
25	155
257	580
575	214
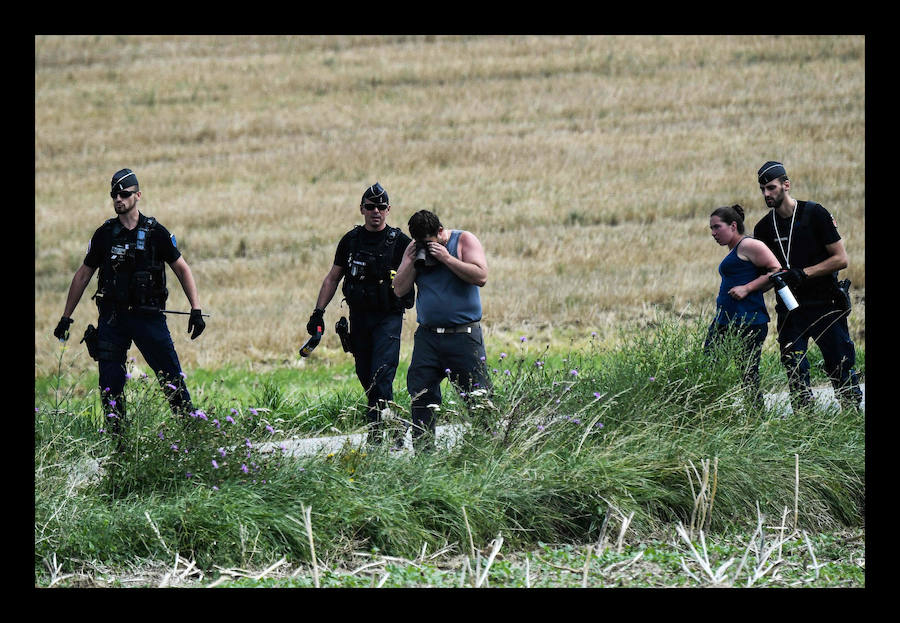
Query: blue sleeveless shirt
443	299
738	272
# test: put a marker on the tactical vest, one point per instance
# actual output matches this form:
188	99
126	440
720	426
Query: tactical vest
369	275
132	276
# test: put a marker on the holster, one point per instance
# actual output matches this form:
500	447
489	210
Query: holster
343	331
91	340
843	295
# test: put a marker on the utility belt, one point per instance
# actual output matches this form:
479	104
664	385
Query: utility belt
458	328
112	308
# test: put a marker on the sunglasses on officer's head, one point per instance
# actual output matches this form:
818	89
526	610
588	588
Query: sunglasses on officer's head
371	206
124	194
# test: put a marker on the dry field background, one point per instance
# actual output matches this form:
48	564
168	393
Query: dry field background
587	166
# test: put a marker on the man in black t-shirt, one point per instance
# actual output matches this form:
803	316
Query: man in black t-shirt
131	251
804	238
366	259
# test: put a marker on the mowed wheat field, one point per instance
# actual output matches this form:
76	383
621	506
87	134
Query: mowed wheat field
587	166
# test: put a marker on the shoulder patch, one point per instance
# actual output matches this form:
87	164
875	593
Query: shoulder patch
172	237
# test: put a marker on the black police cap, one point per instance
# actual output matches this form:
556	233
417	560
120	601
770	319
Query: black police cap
375	194
124	178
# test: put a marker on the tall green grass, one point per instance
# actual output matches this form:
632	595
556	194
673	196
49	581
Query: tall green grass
565	446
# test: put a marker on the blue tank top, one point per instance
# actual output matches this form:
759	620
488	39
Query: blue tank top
443	299
738	272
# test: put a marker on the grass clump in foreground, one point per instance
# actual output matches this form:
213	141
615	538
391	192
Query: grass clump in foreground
636	440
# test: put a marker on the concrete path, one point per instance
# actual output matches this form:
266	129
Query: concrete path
448	434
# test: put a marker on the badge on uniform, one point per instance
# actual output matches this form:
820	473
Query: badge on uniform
172	236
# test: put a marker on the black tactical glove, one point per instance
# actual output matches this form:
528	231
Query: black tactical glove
196	323
316	322
792	277
61	332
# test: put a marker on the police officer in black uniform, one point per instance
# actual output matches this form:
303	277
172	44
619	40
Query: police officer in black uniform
804	238
131	251
366	259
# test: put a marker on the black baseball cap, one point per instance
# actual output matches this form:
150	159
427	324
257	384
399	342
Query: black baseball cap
124	178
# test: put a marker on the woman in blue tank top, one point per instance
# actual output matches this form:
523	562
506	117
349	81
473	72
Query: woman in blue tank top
740	307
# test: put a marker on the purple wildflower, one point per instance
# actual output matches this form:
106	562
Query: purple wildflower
170	386
503	355
270	429
230	419
523	339
174	447
573	372
160	435
244	468
214	464
222	452
254	411
598	395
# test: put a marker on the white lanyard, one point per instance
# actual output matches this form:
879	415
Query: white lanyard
790	234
